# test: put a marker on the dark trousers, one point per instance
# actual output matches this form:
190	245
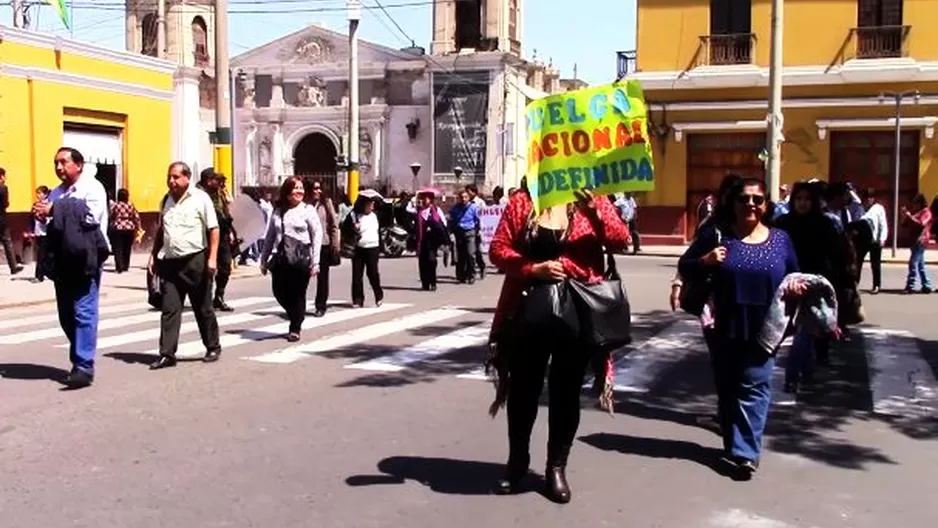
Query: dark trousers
862	235
466	260
182	277
122	243
743	373
322	280
636	237
528	364
8	248
876	265
223	275
479	257
39	245
365	261
426	265
289	286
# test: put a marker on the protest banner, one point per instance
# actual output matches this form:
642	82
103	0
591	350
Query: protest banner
489	216
594	138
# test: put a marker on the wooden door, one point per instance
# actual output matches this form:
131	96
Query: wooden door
710	157
867	159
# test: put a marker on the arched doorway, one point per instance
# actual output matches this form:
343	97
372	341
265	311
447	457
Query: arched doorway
314	155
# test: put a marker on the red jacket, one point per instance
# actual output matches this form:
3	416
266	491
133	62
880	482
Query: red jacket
583	257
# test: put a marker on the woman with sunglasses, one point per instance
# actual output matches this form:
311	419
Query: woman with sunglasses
747	264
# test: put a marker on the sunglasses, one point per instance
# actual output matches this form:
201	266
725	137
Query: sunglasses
754	199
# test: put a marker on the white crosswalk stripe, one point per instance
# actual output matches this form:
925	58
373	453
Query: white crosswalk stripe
901	381
367	333
229	341
107	324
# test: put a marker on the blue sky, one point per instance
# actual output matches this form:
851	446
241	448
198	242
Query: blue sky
598	28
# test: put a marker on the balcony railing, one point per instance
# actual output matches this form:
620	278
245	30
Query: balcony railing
626	63
724	50
881	42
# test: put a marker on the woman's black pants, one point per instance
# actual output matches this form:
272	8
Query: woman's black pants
528	363
289	286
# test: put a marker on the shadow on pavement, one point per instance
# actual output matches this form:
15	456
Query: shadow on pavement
840	395
663	448
442	475
32	372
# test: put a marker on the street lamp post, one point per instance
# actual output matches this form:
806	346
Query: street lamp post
898	97
415	169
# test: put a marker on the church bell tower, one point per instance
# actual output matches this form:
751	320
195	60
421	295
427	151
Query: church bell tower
480	25
182	31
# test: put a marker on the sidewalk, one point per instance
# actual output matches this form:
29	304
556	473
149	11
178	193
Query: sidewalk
19	291
902	255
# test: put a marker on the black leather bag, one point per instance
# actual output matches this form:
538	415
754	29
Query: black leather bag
696	292
603	308
291	253
549	308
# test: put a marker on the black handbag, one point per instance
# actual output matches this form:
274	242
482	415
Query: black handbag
291	253
549	307
695	293
604	312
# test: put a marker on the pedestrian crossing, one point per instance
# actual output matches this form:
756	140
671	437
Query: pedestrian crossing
395	339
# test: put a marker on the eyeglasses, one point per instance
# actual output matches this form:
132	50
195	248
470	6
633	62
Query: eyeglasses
754	199
316	189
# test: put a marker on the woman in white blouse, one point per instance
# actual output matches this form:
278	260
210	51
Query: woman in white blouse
291	252
361	226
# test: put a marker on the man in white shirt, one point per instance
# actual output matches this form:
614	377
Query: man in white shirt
77	297
185	256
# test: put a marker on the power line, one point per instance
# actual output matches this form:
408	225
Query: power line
98	6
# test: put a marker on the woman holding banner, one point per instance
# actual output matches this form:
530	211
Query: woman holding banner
539	250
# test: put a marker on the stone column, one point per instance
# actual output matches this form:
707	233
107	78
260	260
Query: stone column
276	97
276	154
444	28
186	122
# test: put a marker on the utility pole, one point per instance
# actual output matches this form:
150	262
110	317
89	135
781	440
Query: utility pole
776	119
222	161
160	29
898	97
354	16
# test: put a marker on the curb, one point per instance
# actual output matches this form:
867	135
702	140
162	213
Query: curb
102	295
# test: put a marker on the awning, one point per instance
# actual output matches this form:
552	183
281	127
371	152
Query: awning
96	146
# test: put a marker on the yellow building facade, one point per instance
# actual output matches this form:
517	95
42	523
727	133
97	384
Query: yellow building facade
704	65
113	106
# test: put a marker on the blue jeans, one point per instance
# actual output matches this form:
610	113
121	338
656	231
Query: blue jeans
77	302
744	371
917	268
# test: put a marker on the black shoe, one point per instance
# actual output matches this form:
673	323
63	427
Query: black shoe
320	312
78	379
556	487
212	356
512	481
163	362
16	270
222	306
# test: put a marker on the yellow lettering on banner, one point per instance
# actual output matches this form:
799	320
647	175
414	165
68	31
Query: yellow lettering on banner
590	139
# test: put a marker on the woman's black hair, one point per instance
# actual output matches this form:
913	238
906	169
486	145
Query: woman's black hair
123	195
723	210
813	193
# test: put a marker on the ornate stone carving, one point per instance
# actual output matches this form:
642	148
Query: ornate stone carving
311	50
265	159
312	93
365	147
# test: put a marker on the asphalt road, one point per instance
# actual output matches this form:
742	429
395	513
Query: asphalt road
290	437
